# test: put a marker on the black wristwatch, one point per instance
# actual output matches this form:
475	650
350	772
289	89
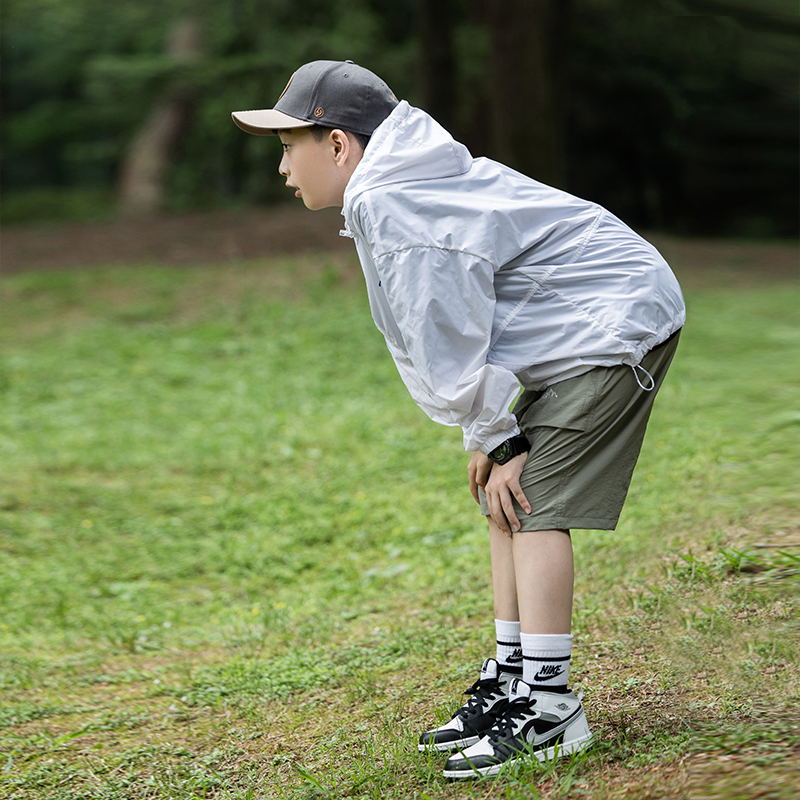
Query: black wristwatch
515	446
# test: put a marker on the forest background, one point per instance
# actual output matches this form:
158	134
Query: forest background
678	116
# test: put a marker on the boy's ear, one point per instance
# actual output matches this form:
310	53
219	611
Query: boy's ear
340	144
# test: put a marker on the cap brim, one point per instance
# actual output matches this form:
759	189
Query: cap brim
267	121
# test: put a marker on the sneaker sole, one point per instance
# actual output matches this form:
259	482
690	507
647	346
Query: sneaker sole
564	749
441	747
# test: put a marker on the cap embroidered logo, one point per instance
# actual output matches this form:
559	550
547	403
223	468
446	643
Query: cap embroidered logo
319	112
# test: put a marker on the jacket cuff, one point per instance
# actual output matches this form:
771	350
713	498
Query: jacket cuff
487	445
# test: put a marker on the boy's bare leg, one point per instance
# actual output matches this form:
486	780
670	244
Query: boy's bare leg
545	576
504	581
532	578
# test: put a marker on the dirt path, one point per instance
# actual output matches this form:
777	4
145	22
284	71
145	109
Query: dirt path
230	236
181	239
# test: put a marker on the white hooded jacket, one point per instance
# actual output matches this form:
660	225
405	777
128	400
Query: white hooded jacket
481	278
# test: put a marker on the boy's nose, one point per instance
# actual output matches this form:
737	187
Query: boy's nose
283	169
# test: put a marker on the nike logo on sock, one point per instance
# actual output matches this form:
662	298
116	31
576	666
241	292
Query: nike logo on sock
515	656
548	672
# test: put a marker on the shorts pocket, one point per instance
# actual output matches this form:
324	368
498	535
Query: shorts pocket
567	405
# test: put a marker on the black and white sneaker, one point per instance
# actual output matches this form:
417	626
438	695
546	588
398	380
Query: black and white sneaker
473	720
533	724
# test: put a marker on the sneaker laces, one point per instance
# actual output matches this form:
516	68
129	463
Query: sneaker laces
482	692
516	709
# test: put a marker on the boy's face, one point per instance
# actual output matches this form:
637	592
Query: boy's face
318	170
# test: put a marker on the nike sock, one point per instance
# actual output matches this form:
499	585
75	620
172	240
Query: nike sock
509	649
546	660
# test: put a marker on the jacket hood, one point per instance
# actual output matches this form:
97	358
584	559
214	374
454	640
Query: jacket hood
409	145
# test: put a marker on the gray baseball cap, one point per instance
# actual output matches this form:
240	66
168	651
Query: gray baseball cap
334	94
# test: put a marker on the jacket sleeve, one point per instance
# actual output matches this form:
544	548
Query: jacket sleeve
443	304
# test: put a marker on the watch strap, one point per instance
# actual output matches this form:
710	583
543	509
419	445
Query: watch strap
510	448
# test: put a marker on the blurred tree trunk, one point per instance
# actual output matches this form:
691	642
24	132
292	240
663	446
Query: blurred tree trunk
145	167
526	99
435	20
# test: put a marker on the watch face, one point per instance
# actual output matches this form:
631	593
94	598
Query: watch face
500	452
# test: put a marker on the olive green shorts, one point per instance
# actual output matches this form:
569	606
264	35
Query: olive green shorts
585	434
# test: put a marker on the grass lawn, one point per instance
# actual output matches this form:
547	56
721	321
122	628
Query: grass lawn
236	561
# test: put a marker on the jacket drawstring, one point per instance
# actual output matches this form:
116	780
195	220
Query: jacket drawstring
636	375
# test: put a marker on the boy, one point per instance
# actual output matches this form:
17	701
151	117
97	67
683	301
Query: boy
481	280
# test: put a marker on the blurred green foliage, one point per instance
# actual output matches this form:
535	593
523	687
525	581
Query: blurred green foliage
678	115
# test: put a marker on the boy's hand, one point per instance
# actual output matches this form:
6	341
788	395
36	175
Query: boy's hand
501	484
478	470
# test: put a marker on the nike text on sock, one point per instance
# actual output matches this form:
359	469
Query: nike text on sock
546	660
509	648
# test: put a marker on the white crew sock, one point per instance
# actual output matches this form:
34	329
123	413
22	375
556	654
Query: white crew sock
509	648
546	660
